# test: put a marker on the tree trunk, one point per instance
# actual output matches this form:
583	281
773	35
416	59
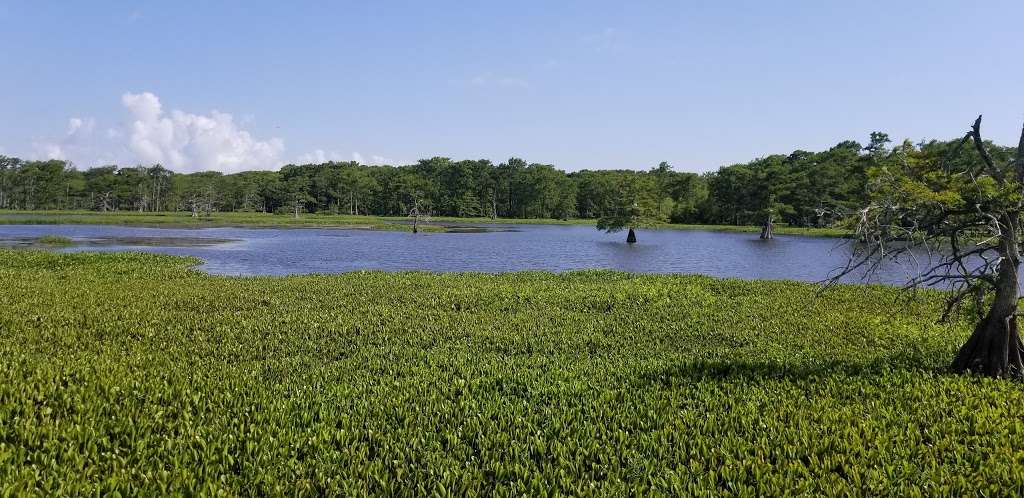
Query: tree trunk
631	237
768	229
995	348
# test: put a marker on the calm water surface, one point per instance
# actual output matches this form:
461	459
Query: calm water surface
284	251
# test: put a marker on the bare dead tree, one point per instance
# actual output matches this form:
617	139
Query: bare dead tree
209	199
961	229
418	215
494	203
768	228
194	203
105	200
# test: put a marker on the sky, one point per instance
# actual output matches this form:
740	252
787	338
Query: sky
245	85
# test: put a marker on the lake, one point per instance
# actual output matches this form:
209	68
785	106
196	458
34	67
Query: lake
501	248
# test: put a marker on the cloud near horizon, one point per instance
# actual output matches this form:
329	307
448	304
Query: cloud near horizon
74	142
181	141
192	142
320	156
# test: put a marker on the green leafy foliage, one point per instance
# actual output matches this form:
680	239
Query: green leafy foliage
804	189
132	373
633	206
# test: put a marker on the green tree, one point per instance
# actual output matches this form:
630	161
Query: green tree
297	190
633	207
101	183
968	205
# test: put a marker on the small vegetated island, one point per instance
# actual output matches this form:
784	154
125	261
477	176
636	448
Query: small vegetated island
137	374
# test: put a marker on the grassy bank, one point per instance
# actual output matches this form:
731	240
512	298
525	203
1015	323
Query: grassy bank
182	219
131	372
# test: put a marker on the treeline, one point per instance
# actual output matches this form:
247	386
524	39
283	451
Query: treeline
801	189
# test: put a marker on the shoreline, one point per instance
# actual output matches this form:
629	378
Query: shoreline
356	222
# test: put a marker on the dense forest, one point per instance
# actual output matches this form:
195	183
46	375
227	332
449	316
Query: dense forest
800	189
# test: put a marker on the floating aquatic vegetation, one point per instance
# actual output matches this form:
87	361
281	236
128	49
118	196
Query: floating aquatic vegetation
134	373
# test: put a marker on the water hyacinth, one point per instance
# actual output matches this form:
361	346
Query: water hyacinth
135	373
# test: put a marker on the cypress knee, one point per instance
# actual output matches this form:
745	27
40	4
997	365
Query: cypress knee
767	229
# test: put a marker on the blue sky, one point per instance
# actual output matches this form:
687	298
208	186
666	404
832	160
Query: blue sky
587	84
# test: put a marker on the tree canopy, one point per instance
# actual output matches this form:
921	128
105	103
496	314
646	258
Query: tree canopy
800	188
951	211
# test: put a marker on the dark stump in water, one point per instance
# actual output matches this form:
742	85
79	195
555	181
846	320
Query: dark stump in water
631	238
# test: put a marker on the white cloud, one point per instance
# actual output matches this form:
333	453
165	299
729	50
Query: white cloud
374	160
192	142
75	142
181	141
484	80
80	129
50	151
319	156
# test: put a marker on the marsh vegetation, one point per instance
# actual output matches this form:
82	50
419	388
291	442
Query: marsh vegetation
135	373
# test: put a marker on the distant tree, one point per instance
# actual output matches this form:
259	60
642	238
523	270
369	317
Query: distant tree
964	208
102	183
688	191
159	183
633	207
8	170
819	188
297	189
663	178
509	181
201	192
418	213
877	146
775	182
359	186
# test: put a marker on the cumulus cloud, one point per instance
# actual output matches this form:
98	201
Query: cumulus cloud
320	156
50	151
181	141
193	142
374	160
75	142
80	129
